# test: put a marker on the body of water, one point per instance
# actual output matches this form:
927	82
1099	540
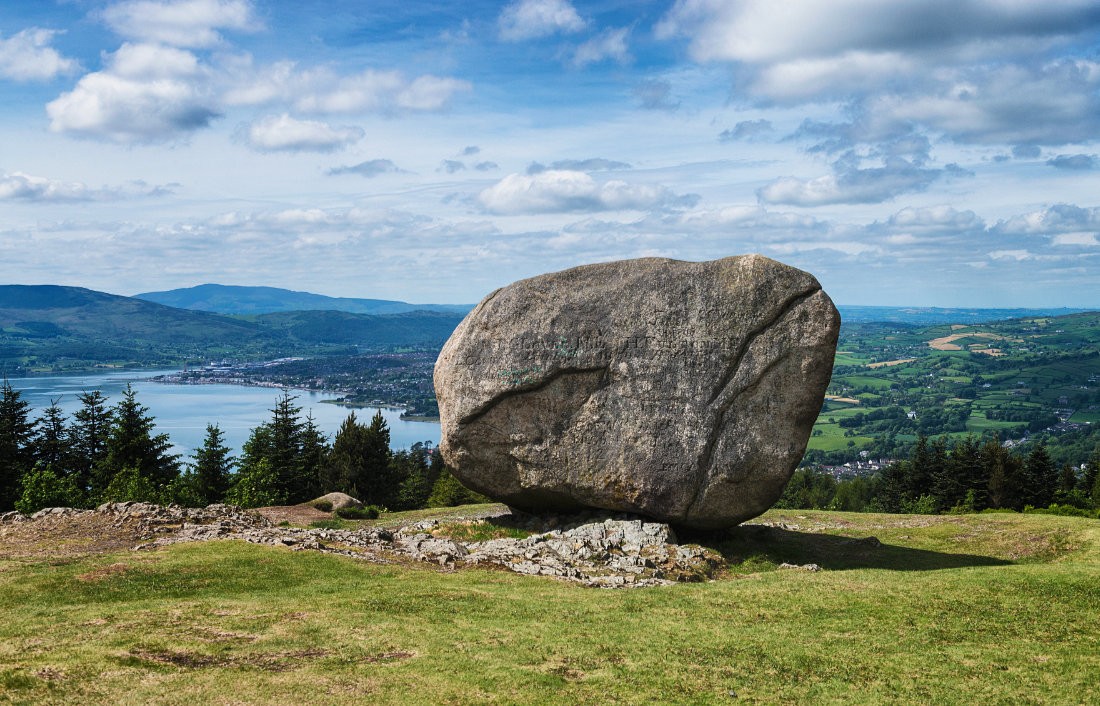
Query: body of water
183	411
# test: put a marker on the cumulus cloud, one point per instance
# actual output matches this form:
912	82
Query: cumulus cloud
761	31
181	23
1059	218
322	90
486	166
964	68
1073	162
18	186
562	191
451	166
535	19
146	93
282	133
746	130
609	44
470	150
370	168
28	56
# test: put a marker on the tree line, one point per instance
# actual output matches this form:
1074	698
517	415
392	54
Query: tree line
112	453
967	475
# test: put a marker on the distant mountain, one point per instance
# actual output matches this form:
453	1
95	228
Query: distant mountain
49	311
927	316
418	328
48	327
230	299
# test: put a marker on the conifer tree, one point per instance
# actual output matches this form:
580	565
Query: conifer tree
132	445
52	442
16	433
286	449
315	451
346	464
1040	477
212	468
88	436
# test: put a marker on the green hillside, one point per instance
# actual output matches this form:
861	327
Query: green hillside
1032	376
341	328
51	329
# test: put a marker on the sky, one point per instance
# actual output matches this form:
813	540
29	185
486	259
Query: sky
905	152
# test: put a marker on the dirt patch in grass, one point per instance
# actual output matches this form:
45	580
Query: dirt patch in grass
66	537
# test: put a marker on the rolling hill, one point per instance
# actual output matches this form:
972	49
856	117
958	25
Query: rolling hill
55	328
229	299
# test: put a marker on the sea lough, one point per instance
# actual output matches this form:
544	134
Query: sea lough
183	411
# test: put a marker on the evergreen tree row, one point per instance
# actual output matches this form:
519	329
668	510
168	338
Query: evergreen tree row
970	475
113	453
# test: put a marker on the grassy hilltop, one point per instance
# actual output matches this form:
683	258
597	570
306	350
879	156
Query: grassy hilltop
993	608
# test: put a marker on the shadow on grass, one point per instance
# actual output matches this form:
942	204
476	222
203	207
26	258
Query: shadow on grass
757	545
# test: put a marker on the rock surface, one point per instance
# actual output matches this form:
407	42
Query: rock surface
681	391
594	550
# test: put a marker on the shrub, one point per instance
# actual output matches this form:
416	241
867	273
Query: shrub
43	488
255	486
370	512
128	485
1062	510
322	505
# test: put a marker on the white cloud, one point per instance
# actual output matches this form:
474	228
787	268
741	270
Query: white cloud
610	44
18	186
1084	239
978	71
323	91
767	32
533	19
146	93
28	56
561	191
282	133
873	185
182	23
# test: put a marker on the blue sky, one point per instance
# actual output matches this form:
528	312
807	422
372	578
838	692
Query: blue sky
906	152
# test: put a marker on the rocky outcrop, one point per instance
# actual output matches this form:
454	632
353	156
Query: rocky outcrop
677	390
606	552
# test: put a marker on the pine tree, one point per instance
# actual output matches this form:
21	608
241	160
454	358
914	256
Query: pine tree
1040	477
315	451
213	467
132	445
16	433
346	464
88	434
286	450
52	441
1092	473
416	480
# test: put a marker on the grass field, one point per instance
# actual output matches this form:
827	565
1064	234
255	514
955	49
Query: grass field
991	609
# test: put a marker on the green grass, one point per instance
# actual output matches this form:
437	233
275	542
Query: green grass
971	609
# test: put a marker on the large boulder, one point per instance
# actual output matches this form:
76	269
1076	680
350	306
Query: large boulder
684	391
